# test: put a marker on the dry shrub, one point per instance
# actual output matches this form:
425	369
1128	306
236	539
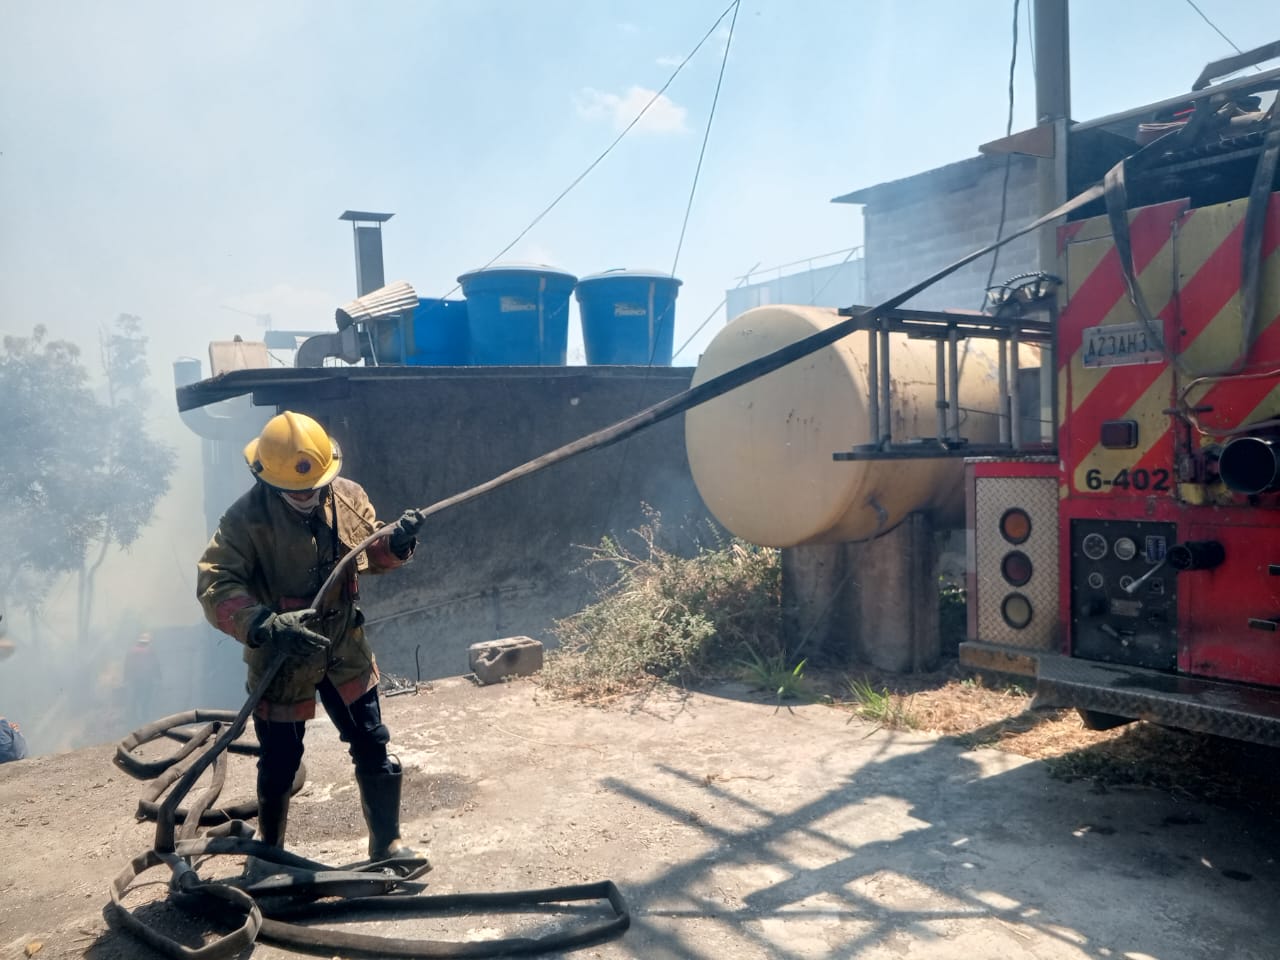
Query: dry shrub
661	615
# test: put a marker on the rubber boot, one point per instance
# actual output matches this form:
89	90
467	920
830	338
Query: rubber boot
273	818
380	802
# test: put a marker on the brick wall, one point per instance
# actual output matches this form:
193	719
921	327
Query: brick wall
915	226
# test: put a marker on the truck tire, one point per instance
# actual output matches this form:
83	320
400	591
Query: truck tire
1096	720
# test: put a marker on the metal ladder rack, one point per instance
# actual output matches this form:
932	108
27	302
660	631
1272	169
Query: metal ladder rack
1010	328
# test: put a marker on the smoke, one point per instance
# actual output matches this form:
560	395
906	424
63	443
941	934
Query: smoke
70	689
67	695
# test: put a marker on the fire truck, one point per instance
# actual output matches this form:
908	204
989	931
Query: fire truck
1131	564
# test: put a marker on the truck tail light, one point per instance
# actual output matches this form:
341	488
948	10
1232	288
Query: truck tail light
1015	525
1016	611
1016	568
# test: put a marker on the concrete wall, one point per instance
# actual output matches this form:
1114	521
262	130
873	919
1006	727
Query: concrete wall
510	562
918	225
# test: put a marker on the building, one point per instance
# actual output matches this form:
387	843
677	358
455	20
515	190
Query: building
921	223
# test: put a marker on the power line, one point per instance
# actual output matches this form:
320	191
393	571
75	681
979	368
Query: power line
693	188
1008	159
607	150
742	282
1214	26
706	135
723	301
657	323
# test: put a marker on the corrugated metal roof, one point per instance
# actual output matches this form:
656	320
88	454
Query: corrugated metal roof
395	299
953	176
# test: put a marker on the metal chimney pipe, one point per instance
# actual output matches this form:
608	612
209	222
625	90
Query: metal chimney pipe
366	227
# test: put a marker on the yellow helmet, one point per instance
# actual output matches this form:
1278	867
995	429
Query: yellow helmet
293	452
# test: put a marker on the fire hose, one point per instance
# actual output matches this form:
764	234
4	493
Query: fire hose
210	735
266	908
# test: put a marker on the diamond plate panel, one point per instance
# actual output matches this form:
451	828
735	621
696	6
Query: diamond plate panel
1039	497
1192	703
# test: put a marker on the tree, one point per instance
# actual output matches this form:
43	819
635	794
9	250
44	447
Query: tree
79	472
134	471
50	428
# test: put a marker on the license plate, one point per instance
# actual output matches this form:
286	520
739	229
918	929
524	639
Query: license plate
1119	345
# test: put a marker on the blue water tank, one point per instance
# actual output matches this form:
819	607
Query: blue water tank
628	316
436	335
518	314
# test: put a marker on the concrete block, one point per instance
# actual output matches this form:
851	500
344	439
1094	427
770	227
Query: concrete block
494	660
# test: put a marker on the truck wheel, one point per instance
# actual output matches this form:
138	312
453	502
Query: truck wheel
1096	720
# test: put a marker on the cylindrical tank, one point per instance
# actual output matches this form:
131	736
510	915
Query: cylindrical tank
628	316
437	334
518	314
761	454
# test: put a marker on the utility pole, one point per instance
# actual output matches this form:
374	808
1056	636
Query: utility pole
1053	61
1053	112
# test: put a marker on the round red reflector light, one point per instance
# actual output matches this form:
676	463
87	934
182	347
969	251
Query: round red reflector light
1016	568
1015	525
1016	611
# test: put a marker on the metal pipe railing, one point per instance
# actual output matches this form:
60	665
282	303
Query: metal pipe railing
1015	401
873	384
941	378
953	381
1002	387
885	435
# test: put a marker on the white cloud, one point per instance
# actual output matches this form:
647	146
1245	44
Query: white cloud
669	61
628	28
665	116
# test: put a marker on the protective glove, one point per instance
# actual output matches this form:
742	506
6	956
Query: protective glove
404	536
288	632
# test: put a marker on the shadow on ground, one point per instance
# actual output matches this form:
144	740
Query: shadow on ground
739	829
898	857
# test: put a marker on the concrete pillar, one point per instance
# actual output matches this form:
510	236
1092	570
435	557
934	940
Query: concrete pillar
819	602
898	598
874	601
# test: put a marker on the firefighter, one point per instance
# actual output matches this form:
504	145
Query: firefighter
271	553
140	676
13	745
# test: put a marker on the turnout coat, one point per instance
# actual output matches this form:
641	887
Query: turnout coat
265	557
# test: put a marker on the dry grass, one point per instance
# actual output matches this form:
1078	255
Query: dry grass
661	615
994	714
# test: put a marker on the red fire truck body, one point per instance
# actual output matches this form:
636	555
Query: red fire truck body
1135	571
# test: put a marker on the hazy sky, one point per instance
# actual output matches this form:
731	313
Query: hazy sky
171	160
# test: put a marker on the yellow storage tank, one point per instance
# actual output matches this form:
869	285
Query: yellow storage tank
761	454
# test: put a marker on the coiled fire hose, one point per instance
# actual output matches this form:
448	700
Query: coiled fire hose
292	897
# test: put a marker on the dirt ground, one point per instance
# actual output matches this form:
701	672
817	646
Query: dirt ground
735	827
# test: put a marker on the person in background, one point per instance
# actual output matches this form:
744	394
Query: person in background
13	745
140	676
271	553
7	646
